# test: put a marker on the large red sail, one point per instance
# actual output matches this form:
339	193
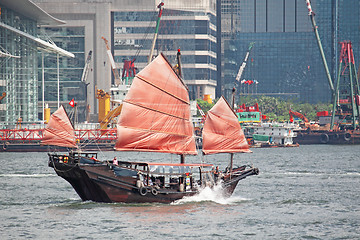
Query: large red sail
156	113
222	132
59	131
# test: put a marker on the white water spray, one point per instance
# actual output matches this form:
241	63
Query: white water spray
215	194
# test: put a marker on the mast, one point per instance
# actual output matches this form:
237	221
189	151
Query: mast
178	57
158	93
232	107
156	31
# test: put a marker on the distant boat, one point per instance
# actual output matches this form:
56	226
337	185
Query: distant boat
155	118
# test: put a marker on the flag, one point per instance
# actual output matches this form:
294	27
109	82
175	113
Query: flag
72	103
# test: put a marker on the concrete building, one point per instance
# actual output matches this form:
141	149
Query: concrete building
19	48
129	27
188	25
86	23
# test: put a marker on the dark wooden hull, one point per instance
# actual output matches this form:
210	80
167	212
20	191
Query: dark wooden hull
122	189
80	181
99	183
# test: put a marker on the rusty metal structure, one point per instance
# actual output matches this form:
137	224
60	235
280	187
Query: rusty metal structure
347	95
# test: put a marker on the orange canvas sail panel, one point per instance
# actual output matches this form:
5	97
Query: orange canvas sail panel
222	132
59	131
156	113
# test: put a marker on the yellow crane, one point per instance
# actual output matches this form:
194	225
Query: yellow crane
105	115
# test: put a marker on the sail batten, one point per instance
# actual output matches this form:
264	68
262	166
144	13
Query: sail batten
222	132
155	115
163	90
59	130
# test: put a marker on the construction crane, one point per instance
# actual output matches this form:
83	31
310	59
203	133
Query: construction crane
84	76
104	105
243	65
86	68
346	103
129	71
312	18
104	123
105	114
297	114
112	62
160	7
203	116
352	86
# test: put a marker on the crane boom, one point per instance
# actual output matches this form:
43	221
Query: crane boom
243	65
86	67
312	18
112	62
297	114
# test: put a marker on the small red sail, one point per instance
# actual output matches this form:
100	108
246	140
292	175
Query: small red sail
222	132
59	131
156	113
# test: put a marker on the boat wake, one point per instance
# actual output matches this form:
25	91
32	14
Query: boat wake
22	175
215	195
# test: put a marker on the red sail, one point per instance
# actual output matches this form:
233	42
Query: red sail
59	131
156	113
222	132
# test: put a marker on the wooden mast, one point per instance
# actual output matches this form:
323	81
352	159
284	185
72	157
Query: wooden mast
232	154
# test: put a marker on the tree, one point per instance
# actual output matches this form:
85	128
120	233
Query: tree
204	105
277	109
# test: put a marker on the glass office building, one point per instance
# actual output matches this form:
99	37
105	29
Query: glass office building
18	72
285	59
70	69
20	88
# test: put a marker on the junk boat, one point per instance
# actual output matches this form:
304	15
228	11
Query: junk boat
155	118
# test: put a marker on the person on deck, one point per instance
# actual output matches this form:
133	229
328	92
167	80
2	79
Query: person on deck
115	161
148	180
216	173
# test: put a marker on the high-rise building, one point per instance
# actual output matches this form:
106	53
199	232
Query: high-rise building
129	27
285	60
186	25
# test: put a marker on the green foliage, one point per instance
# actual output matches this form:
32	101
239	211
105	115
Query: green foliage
204	105
278	110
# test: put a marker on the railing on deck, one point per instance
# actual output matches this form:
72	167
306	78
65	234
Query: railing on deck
37	134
